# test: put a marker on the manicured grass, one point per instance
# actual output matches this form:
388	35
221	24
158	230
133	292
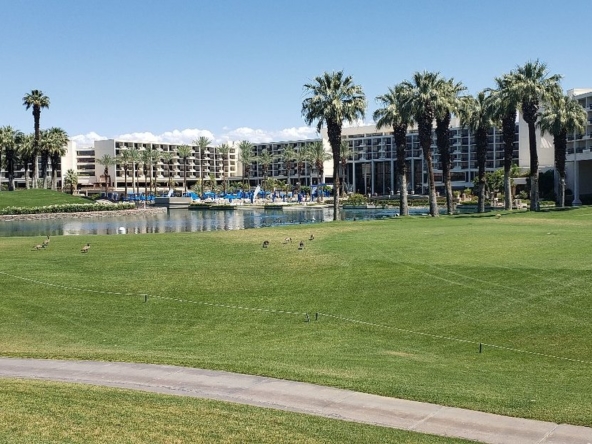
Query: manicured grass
521	281
38	198
34	412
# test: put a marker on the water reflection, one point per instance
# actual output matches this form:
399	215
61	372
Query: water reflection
185	221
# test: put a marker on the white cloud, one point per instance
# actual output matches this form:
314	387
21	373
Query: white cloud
187	136
85	140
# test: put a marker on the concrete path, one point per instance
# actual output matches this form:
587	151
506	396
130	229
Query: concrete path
300	397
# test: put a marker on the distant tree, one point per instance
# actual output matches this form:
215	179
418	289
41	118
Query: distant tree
184	152
26	154
136	158
125	159
266	159
224	151
287	158
36	100
333	99
301	156
247	158
345	154
318	158
202	144
71	180
561	116
167	158
106	161
55	140
10	139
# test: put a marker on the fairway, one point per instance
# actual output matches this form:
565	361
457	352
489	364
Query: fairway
397	307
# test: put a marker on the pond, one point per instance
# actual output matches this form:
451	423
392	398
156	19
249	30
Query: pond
188	221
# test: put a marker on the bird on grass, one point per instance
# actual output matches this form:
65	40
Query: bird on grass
38	247
265	244
301	246
287	240
85	248
46	242
311	237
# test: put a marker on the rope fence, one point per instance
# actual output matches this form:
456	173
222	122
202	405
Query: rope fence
306	316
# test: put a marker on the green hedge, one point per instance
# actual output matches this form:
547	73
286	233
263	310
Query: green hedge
67	208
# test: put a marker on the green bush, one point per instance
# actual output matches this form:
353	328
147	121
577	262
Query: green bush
356	199
66	208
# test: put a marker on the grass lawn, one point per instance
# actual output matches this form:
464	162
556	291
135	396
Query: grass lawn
34	412
38	198
391	294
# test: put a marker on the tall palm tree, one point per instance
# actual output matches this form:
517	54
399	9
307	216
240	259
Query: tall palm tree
287	158
535	87
395	114
202	144
184	151
421	95
36	100
561	116
246	157
448	105
125	159
107	161
57	141
167	158
266	159
333	99
476	113
318	158
10	139
224	151
148	159
504	101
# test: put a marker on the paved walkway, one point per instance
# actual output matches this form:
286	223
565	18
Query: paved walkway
300	397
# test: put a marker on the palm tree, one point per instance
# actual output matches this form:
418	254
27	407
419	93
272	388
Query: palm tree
224	150
345	153
26	154
393	113
107	161
287	157
318	158
533	85
504	101
136	158
184	151
246	157
167	158
421	96
54	140
561	116
71	180
334	98
126	160
266	159
476	113
202	144
448	105
10	139
148	159
301	157
37	100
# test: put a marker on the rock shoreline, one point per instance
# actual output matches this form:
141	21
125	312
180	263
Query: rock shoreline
84	215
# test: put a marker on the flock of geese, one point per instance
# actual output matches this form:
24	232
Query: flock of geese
43	245
288	240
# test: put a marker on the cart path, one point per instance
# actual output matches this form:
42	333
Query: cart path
302	398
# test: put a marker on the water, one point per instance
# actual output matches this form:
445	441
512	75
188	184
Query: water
188	221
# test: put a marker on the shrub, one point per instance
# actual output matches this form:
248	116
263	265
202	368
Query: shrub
66	208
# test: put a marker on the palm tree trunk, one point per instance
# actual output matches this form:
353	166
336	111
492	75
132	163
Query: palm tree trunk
534	168
35	172
481	142
334	134
508	131
425	140
125	178
400	135
560	142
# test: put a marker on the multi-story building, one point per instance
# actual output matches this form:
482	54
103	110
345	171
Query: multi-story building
579	151
209	164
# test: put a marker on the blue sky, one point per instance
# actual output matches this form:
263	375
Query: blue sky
173	70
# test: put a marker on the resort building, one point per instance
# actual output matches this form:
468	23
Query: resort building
579	157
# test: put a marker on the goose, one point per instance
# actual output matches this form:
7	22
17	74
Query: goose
46	242
301	246
288	239
85	248
311	237
265	244
38	247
